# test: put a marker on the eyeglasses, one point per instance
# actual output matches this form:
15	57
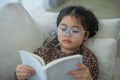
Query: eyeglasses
73	33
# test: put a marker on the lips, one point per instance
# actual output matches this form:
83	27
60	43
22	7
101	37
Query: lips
67	41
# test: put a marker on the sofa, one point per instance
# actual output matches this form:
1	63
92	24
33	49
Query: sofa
20	30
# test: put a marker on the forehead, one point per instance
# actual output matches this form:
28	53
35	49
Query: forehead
70	20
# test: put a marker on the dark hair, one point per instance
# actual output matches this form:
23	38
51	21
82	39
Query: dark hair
86	17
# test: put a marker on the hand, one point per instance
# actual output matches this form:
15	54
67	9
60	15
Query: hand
82	73
24	72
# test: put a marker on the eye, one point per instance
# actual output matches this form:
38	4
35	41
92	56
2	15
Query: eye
76	30
62	28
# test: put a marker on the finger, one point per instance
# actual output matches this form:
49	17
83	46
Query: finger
85	76
81	70
77	71
24	75
24	71
82	66
81	76
29	69
25	68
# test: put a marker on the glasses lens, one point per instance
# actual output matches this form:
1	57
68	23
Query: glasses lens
73	33
61	32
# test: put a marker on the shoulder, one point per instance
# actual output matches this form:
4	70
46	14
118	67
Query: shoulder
46	49
88	54
41	51
86	51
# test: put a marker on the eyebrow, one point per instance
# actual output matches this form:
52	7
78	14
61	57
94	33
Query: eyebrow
72	26
64	24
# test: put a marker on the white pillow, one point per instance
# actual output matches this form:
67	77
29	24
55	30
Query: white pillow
105	50
108	28
46	20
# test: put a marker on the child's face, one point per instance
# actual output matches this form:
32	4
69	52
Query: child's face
71	33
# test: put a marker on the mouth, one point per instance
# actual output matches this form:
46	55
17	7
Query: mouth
66	41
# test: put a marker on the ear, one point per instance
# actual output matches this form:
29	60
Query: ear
86	36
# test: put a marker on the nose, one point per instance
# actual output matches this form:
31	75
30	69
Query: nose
68	32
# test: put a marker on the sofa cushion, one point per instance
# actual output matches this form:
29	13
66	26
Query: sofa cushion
46	20
105	50
109	28
17	31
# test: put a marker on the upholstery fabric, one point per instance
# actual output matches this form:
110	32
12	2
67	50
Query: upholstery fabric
105	50
17	31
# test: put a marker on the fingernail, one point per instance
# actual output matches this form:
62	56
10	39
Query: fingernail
68	73
78	64
33	72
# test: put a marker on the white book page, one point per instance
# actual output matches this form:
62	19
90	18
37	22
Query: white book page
33	62
57	70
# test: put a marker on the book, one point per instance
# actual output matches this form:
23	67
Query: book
54	70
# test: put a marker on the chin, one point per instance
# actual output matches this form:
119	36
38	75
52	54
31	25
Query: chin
68	47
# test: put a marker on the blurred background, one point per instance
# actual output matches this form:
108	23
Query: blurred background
102	8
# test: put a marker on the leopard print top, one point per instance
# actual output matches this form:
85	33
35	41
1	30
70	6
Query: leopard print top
53	52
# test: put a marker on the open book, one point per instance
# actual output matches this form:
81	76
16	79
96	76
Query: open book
55	70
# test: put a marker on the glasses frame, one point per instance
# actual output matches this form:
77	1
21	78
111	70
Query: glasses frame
68	32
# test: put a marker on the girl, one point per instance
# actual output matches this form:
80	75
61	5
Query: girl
75	25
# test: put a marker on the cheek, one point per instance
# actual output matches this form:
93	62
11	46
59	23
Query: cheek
59	39
77	41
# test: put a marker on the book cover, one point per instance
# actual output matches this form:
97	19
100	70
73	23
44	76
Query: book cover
55	70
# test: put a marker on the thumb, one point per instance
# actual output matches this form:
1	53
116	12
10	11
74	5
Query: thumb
81	66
